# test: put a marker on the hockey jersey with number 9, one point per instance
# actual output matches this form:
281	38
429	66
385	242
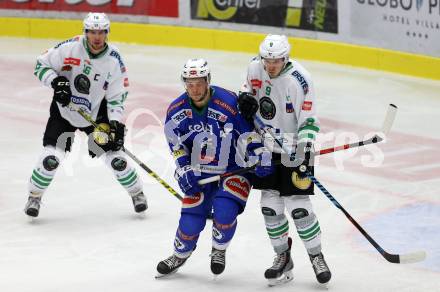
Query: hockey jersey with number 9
92	78
286	103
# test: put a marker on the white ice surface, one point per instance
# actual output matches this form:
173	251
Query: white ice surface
88	238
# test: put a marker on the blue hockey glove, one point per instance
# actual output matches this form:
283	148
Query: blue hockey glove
188	182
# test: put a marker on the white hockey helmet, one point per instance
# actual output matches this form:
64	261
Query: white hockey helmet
96	21
196	68
275	47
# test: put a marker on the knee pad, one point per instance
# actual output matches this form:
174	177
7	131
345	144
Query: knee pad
191	224
118	163
51	162
268	211
225	210
299	213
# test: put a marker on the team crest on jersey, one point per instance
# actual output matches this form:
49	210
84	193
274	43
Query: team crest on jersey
82	84
267	108
216	115
302	81
238	186
181	115
300	183
193	201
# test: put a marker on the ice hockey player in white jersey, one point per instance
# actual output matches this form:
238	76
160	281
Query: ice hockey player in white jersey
88	73
281	93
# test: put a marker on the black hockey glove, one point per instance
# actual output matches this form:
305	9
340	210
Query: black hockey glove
61	90
117	133
248	105
304	154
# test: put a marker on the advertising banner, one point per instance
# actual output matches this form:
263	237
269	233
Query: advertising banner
315	15
404	25
166	8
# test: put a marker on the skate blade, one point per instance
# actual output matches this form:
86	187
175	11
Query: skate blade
286	277
160	276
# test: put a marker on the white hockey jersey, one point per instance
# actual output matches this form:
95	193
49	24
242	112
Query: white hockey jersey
286	103
92	78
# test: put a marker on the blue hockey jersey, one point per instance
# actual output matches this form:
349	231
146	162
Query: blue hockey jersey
214	139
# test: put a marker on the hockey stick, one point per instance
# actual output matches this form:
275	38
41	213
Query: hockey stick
89	119
388	122
392	258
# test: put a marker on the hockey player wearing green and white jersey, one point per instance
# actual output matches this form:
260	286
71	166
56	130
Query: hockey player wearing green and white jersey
280	92
89	73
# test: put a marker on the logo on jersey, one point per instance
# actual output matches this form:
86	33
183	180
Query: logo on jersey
66	68
217	234
193	201
81	101
225	106
302	81
75	39
216	115
118	57
307	106
256	83
126	83
72	61
267	108
201	128
174	106
181	115
289	105
179	244
237	186
300	183
82	84
179	153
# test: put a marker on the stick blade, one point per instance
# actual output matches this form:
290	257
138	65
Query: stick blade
413	257
389	119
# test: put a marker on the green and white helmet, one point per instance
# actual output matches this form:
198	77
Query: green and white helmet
96	21
275	47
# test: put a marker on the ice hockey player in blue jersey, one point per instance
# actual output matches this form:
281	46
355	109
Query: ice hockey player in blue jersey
206	134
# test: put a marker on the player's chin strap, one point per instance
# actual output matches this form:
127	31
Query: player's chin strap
89	119
392	258
379	137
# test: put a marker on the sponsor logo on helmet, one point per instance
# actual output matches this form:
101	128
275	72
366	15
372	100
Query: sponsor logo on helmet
238	186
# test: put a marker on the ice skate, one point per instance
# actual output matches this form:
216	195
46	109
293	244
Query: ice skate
218	261
169	266
32	207
281	270
322	272
139	202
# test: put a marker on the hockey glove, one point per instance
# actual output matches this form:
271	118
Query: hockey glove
61	90
248	105
117	133
264	166
187	180
304	154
